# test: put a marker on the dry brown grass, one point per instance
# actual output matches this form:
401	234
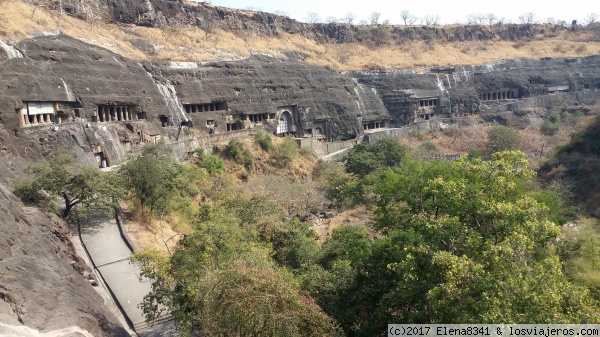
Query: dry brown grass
300	167
358	216
145	233
18	21
474	137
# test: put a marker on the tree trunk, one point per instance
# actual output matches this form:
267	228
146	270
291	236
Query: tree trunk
67	211
69	204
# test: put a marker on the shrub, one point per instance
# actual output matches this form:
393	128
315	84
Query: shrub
474	154
549	128
429	147
554	118
551	125
263	140
502	138
237	151
212	163
286	151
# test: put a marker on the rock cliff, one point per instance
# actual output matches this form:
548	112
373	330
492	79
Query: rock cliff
160	13
42	283
514	86
89	82
59	94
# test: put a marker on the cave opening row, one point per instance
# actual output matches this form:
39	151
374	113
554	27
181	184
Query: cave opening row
428	102
493	96
108	113
255	118
202	107
373	125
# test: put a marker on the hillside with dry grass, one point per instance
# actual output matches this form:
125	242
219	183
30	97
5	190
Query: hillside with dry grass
19	20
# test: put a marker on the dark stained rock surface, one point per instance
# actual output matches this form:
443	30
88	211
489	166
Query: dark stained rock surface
463	86
60	68
263	85
41	278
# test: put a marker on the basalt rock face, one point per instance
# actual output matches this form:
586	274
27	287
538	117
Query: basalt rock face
90	83
514	86
42	283
314	96
160	13
63	69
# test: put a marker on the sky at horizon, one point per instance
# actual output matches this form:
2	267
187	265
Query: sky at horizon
449	11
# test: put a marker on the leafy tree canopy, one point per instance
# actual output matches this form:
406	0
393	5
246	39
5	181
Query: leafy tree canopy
366	157
502	138
463	242
78	185
222	282
151	177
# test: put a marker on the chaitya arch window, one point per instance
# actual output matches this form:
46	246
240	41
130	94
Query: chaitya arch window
284	121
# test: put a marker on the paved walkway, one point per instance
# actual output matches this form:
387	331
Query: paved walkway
110	255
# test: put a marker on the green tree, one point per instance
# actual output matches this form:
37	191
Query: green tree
81	186
502	138
463	242
222	282
151	177
366	158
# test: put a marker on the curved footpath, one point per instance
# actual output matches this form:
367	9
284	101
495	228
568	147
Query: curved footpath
109	252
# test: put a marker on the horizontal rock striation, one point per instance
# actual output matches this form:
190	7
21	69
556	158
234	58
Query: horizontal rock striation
509	86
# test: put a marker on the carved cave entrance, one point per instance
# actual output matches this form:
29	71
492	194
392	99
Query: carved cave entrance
285	120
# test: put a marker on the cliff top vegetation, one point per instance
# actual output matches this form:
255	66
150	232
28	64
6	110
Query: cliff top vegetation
337	46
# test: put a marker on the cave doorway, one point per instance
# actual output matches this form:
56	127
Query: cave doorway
285	120
164	120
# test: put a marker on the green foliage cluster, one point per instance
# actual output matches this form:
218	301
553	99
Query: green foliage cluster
352	184
580	248
231	276
551	125
366	157
429	147
502	138
555	120
263	140
285	151
81	186
212	163
237	151
462	242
